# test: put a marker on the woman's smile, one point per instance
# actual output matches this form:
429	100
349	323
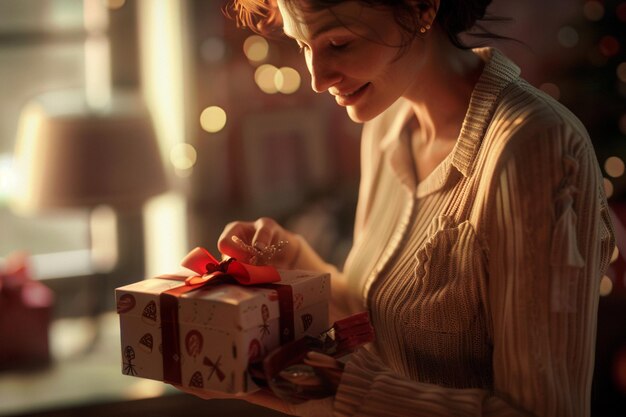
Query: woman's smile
350	98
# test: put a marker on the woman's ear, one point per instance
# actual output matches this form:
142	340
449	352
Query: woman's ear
427	12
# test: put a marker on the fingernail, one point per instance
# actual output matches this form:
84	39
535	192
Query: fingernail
260	246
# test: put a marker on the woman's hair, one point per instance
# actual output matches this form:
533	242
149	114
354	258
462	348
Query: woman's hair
454	16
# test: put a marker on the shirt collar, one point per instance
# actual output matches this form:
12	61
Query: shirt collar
498	72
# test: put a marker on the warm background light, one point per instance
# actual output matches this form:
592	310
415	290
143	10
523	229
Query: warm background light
621	72
265	77
593	10
256	48
213	119
287	80
606	286
568	36
608	188
614	167
183	156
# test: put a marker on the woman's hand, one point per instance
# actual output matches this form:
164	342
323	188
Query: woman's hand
260	242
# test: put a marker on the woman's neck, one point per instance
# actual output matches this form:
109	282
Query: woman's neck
442	90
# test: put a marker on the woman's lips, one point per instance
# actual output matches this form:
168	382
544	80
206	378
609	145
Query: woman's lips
352	98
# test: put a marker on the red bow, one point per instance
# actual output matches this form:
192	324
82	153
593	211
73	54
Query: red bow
203	263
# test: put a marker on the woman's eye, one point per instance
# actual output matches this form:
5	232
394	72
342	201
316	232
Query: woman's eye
338	44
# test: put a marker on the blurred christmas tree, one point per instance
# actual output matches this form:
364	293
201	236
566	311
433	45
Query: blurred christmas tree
587	73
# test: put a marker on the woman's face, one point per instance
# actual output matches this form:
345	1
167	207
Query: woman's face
352	51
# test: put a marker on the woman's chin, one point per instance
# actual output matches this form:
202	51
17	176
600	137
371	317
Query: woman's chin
359	116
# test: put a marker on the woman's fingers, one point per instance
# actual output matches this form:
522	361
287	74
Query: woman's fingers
262	242
266	231
243	231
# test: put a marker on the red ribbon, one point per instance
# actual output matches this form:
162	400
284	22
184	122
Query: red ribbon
203	263
200	261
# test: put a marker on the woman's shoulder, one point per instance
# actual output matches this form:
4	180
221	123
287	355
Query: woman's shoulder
529	111
528	117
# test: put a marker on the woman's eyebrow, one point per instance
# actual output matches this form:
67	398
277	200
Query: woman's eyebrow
319	31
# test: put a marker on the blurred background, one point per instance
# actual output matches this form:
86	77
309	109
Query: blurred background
132	131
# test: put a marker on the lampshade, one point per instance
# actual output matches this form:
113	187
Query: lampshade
69	155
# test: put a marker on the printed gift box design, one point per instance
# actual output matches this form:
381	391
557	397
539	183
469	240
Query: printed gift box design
207	336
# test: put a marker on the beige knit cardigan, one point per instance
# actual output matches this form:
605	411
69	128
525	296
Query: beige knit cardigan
482	280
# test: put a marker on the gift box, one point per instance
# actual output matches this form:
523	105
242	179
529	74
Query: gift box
25	315
204	331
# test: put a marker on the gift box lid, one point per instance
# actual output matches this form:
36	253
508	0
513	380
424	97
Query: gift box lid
225	305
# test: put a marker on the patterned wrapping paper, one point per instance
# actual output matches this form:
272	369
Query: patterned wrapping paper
220	327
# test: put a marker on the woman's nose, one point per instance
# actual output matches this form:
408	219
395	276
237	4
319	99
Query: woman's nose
323	73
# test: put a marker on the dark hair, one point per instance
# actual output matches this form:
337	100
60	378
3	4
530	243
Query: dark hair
454	16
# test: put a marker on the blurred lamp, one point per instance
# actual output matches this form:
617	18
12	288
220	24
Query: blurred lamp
72	156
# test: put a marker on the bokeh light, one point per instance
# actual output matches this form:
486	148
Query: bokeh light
606	286
615	254
614	167
213	119
568	37
593	10
609	46
265	78
621	72
256	48
183	156
287	80
608	187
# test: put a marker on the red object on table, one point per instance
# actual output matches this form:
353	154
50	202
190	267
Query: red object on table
25	315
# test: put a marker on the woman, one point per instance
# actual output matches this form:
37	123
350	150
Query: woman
481	229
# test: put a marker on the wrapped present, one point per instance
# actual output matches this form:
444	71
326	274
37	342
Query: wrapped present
203	331
25	315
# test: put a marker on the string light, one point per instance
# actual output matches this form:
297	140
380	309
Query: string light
621	72
287	80
608	187
593	10
614	167
183	156
568	37
265	78
256	48
213	119
615	254
606	286
609	46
